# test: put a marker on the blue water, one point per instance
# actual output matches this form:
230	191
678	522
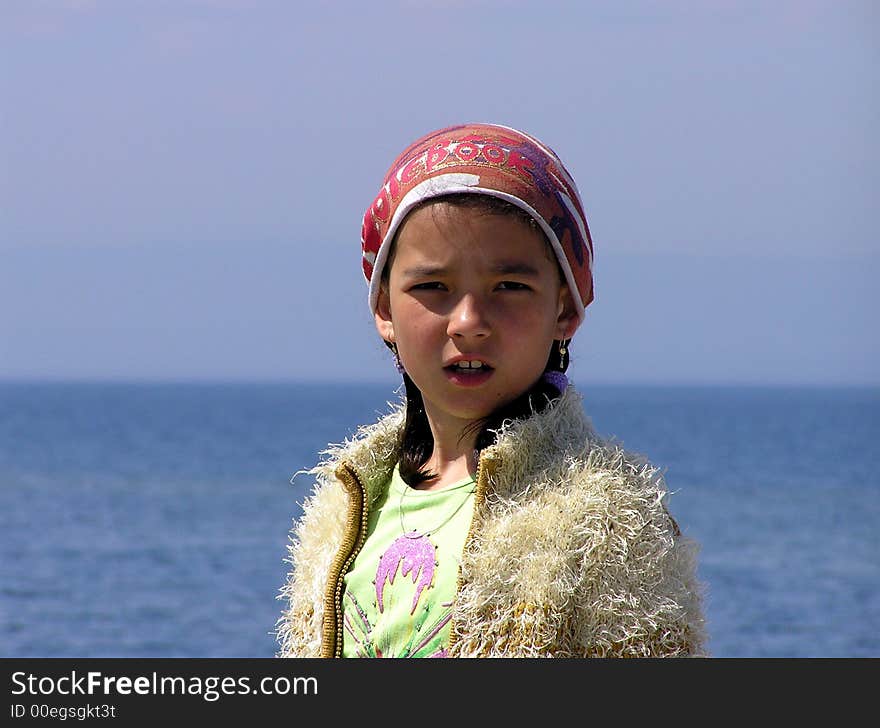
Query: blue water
151	519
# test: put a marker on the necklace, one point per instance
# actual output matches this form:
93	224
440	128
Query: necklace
414	534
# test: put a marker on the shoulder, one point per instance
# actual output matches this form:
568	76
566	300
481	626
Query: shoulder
370	452
558	449
596	491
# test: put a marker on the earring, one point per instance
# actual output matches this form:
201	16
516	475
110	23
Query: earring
563	352
397	362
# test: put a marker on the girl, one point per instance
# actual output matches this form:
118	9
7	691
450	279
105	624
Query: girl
484	516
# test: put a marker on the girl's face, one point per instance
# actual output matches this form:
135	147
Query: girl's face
470	286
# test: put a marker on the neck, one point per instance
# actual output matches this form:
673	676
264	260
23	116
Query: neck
453	456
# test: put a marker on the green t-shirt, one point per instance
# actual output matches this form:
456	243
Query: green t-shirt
398	593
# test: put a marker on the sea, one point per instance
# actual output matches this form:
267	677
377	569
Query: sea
151	519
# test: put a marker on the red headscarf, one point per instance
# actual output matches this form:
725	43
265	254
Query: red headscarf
484	159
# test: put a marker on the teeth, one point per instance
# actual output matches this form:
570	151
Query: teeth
474	364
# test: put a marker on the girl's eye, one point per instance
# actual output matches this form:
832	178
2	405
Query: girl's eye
513	286
430	286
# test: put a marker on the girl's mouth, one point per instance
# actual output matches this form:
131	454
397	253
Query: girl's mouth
468	373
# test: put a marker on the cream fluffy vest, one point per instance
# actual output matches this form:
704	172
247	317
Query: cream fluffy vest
572	551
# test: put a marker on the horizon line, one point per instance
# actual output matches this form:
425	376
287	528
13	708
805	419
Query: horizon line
347	382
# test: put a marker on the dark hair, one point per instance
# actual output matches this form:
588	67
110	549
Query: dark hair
418	441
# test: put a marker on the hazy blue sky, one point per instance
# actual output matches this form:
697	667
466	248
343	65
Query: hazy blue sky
182	181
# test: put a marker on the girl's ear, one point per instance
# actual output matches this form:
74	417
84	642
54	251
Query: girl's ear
384	324
567	321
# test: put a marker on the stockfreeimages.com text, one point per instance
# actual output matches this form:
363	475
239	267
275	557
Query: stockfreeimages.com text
210	688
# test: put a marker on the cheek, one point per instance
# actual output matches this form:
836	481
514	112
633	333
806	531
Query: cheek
532	334
414	324
530	323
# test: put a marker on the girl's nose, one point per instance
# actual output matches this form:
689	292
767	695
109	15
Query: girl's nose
468	318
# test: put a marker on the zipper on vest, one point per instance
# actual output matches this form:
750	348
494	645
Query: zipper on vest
352	542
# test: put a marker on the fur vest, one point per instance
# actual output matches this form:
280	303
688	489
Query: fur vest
571	552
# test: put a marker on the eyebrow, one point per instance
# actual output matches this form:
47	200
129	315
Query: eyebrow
424	271
516	268
503	268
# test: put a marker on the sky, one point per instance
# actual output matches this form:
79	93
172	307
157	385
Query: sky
182	181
